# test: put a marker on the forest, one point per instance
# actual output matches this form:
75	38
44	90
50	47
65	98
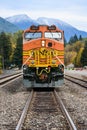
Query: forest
76	51
10	50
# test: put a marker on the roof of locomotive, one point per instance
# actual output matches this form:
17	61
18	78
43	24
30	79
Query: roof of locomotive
43	27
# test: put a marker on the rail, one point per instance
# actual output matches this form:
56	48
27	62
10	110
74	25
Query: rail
66	114
75	80
20	123
59	103
7	79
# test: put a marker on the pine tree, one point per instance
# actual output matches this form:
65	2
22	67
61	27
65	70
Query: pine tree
17	57
80	38
65	42
73	39
5	49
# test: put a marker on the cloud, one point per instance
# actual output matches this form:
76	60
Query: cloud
72	12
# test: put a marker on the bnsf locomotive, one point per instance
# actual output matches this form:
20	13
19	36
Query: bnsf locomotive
43	56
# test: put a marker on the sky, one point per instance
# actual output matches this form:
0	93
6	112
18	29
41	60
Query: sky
73	12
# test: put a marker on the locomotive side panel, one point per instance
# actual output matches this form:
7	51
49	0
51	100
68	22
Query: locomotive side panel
43	56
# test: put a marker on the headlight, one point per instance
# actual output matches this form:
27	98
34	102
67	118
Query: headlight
24	68
43	43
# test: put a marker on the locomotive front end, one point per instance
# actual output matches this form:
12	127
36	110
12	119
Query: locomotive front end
43	56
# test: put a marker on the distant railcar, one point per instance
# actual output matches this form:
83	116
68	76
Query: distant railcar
43	56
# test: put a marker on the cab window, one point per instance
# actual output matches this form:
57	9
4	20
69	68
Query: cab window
53	35
32	35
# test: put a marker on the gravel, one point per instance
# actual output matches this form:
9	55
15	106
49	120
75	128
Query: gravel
9	72
44	114
75	100
12	100
81	74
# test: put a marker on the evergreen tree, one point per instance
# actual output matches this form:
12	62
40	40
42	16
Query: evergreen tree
73	39
80	38
65	42
84	55
5	49
17	57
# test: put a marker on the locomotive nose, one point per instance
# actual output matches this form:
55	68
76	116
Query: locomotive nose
43	52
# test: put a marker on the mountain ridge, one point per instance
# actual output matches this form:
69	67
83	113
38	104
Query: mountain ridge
68	29
6	26
22	21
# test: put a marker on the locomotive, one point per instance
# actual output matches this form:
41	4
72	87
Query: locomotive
43	56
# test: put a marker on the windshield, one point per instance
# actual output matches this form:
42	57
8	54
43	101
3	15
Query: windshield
32	35
53	35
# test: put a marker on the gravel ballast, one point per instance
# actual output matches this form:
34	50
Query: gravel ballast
75	100
12	100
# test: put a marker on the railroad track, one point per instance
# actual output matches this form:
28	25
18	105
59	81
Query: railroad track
81	82
9	78
45	111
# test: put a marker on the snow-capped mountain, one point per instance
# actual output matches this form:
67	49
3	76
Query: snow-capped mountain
6	26
68	29
18	18
50	21
23	22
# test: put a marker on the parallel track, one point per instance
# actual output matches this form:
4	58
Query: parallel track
82	83
8	79
9	75
39	110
